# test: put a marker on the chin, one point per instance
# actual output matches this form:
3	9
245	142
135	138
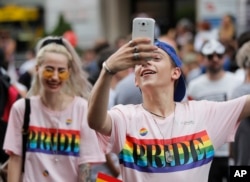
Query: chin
53	90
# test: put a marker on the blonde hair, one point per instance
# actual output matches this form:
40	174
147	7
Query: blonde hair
77	84
243	56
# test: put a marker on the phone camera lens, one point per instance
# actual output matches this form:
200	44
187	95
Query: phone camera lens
143	23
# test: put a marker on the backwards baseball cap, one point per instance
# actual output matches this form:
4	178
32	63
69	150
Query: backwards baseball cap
180	89
212	46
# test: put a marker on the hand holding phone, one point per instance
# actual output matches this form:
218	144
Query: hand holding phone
143	27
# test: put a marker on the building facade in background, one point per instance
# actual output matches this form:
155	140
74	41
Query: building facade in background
110	19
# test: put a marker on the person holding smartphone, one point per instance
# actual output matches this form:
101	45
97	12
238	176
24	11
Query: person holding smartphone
163	138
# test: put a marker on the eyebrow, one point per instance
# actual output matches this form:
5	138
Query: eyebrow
159	52
60	68
156	51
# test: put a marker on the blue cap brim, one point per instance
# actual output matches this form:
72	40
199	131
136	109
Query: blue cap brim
180	89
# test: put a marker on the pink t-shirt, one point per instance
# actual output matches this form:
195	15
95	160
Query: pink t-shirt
58	141
191	135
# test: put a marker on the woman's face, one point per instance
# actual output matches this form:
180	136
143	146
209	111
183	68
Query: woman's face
53	72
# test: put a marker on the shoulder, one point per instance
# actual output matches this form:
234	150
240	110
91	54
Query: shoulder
198	80
80	102
243	89
233	77
127	110
187	105
20	103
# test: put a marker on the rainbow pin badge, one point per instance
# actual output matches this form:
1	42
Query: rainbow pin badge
68	121
143	131
45	173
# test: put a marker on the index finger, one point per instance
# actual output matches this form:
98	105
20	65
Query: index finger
139	40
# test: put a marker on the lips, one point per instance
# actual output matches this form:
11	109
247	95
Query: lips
53	84
147	72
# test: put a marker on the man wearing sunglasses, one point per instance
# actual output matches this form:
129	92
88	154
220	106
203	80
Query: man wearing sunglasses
215	85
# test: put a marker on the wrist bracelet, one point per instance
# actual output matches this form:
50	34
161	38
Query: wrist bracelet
104	65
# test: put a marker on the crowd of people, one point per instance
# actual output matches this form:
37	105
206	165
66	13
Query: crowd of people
172	112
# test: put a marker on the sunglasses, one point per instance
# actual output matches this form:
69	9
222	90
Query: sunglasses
211	56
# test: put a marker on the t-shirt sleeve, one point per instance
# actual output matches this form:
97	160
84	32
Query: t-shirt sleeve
119	117
222	119
90	151
13	137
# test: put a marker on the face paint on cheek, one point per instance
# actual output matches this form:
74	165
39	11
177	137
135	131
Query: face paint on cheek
47	74
63	75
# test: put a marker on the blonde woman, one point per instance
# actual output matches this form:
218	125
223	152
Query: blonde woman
60	144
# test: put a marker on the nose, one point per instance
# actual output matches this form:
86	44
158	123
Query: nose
55	75
148	62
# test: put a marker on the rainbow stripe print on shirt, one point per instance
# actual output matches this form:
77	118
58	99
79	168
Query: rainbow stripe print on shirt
64	142
149	155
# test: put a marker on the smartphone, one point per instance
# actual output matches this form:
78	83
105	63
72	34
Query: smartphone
143	27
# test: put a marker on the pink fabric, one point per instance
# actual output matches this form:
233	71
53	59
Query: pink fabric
76	142
191	135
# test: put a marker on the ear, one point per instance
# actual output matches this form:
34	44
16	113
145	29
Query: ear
176	73
136	82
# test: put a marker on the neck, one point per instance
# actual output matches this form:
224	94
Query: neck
56	102
159	101
160	110
216	76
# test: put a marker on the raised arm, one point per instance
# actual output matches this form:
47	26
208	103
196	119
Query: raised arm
98	104
129	55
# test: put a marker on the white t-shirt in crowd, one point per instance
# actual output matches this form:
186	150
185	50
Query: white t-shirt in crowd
191	134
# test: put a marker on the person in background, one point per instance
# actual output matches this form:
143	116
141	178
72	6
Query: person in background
203	33
60	146
162	138
92	67
126	91
27	69
215	85
227	29
29	63
8	45
242	39
184	33
120	41
241	144
191	67
169	36
8	95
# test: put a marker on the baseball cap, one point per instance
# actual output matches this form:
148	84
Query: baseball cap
212	46
180	89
